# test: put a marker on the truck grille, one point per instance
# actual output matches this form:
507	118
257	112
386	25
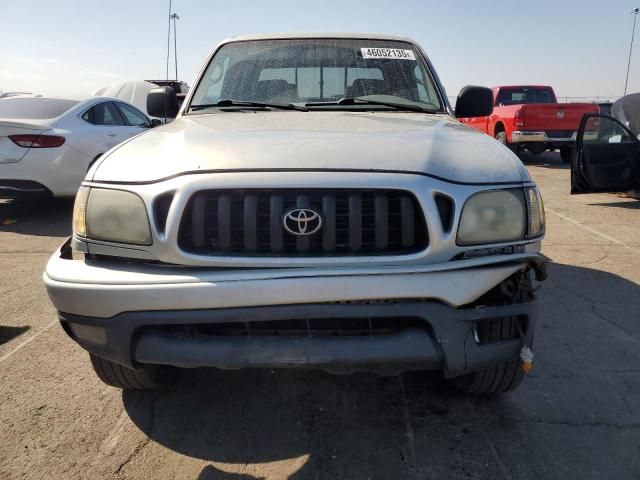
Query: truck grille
307	327
354	222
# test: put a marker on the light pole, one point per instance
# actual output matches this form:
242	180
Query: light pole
633	12
168	42
174	17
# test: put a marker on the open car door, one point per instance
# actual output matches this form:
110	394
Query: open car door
607	157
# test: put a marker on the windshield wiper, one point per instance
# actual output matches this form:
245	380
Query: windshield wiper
361	101
237	103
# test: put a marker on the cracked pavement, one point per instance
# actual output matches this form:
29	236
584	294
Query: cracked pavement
576	416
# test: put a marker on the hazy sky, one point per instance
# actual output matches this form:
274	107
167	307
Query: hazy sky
72	47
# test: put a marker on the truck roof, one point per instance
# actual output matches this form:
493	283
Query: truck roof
279	36
522	86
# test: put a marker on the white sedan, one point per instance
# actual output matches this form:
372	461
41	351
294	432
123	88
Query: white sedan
48	144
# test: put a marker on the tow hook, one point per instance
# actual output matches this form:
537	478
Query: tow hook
540	270
526	355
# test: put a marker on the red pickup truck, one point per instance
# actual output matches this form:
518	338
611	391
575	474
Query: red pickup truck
529	116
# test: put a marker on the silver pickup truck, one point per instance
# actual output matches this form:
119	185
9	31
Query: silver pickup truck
315	204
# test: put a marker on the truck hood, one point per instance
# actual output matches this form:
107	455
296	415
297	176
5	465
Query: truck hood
435	145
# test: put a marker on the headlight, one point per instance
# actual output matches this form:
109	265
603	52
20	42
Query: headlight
494	216
112	216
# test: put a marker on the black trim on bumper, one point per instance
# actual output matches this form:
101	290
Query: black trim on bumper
445	343
23	189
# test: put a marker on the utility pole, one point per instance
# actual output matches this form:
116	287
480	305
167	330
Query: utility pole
633	12
168	43
174	17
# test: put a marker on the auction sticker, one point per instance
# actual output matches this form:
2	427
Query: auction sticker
388	53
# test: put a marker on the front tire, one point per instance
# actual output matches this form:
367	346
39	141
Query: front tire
504	376
145	378
499	378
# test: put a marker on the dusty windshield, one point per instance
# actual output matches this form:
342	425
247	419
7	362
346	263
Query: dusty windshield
308	72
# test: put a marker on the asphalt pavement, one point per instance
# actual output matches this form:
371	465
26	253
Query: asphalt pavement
577	415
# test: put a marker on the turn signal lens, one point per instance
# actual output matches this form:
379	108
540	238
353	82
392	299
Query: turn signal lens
37	141
89	333
536	213
79	212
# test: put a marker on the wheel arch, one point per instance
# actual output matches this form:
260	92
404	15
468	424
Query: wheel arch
94	160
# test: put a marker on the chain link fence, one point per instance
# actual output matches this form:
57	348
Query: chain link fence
593	99
561	99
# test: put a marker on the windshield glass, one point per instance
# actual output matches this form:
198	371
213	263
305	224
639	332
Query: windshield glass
301	71
523	95
34	108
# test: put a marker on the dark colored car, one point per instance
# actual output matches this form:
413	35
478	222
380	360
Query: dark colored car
608	150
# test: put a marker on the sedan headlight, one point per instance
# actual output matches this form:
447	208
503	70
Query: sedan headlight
111	215
494	216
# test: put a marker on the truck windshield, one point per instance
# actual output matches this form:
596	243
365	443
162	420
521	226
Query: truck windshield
317	71
522	95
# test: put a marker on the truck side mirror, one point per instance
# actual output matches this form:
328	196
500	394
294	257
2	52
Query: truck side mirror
162	102
474	101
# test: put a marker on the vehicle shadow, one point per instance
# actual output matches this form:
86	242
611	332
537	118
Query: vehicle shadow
308	424
630	204
47	217
305	424
212	473
549	160
8	333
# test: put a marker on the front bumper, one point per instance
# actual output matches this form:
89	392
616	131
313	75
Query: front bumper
445	341
129	302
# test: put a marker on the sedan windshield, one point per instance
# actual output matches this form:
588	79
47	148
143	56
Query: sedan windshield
318	74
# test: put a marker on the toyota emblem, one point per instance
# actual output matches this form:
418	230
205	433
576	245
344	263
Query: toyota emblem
302	221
